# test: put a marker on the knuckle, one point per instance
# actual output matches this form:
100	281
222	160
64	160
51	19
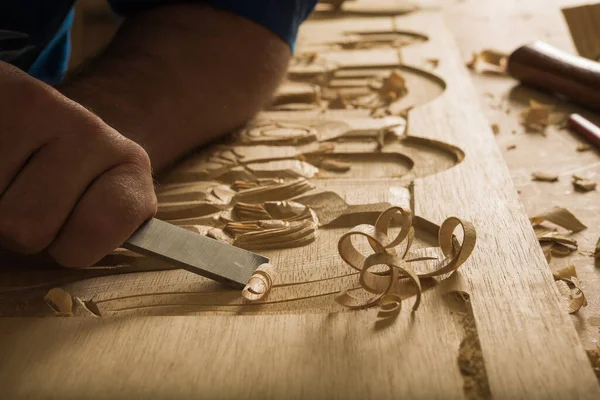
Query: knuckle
22	236
138	156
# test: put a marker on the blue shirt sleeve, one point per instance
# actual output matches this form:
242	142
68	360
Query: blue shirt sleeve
282	17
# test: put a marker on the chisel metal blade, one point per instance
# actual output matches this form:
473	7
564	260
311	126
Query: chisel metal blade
193	252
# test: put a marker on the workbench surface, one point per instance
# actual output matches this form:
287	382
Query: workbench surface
506	25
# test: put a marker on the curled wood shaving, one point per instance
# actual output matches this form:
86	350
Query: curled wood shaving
559	216
60	302
277	133
583	185
573	297
382	286
276	191
570	288
544	176
260	283
267	235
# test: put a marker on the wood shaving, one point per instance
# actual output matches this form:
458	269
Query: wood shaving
583	185
267	237
383	287
594	356
330	164
544	176
276	191
559	216
434	62
495	128
338	103
488	61
570	289
85	308
277	133
536	117
60	302
583	147
393	87
260	283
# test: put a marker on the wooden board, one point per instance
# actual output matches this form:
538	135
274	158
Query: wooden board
181	336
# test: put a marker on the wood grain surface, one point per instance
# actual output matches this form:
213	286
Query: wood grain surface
506	26
494	329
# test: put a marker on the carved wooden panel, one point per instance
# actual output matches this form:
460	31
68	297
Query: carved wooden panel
333	151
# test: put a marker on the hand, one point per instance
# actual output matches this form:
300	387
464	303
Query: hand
69	183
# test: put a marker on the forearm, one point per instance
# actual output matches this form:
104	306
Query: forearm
178	76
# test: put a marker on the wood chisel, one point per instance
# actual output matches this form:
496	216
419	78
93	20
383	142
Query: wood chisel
195	253
545	67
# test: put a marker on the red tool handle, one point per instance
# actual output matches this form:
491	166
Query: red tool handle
585	128
546	67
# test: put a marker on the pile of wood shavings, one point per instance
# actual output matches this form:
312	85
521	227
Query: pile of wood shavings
383	288
554	243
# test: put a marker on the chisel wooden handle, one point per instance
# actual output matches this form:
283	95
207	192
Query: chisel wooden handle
546	67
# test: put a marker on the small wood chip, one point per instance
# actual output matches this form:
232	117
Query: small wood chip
583	147
338	103
597	250
511	147
488	60
330	164
583	185
544	176
434	62
393	87
536	117
495	129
